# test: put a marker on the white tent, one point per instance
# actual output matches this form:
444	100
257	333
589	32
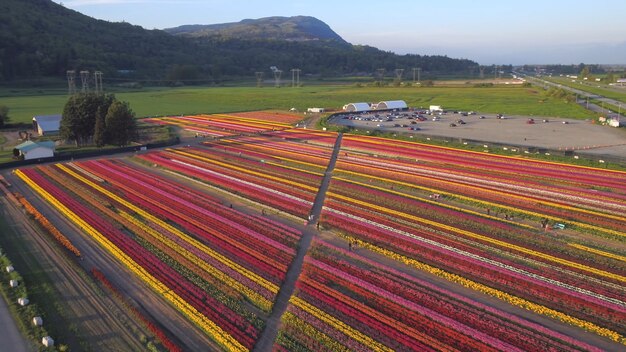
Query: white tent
391	105
357	107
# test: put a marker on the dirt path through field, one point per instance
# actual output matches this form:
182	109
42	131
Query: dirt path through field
103	328
266	341
9	334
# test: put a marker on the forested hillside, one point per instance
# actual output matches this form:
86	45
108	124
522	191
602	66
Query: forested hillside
40	38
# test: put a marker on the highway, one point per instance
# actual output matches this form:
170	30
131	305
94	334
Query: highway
582	96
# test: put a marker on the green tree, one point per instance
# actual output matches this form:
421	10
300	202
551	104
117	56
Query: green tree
79	116
585	72
120	124
99	133
4	115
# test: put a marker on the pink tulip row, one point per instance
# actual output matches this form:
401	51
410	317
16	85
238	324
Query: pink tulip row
269	257
257	190
513	166
471	222
408	299
231	322
507	278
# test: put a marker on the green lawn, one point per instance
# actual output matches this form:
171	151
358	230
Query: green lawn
168	101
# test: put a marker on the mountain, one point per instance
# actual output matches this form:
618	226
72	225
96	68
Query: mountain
296	28
40	38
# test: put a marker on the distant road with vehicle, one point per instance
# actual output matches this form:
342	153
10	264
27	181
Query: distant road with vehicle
581	93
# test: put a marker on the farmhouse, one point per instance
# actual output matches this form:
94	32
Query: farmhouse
31	150
392	105
47	125
357	107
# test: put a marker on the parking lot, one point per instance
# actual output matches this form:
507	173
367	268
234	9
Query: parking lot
545	132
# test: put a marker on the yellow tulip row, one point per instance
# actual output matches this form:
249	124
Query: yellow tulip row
245	170
439	204
385	141
599	252
308	330
230	118
491	204
255	297
243	271
339	325
219	335
479	237
520	302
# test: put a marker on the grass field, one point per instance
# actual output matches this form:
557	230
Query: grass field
592	87
174	101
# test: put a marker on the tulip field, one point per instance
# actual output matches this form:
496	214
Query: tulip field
220	125
418	247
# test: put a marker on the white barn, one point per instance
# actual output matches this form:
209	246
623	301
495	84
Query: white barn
392	105
31	150
357	107
47	124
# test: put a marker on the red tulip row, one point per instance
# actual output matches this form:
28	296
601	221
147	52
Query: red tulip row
269	228
526	199
229	321
154	328
477	160
508	233
513	281
270	258
408	300
206	156
256	190
269	116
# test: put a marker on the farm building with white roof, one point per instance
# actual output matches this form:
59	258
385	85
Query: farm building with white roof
357	107
31	150
47	124
392	105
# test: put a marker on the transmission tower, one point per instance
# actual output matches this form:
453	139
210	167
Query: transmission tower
399	72
381	75
259	79
84	78
482	71
277	74
71	82
295	77
97	78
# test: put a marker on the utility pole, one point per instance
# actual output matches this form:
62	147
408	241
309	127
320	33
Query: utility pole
259	79
97	77
295	77
399	72
414	70
277	74
84	79
419	71
71	82
381	75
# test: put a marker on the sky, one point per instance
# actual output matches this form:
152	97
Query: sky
486	31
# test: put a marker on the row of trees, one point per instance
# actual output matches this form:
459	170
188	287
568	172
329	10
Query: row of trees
97	118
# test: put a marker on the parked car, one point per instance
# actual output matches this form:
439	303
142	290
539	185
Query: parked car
414	128
453	125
